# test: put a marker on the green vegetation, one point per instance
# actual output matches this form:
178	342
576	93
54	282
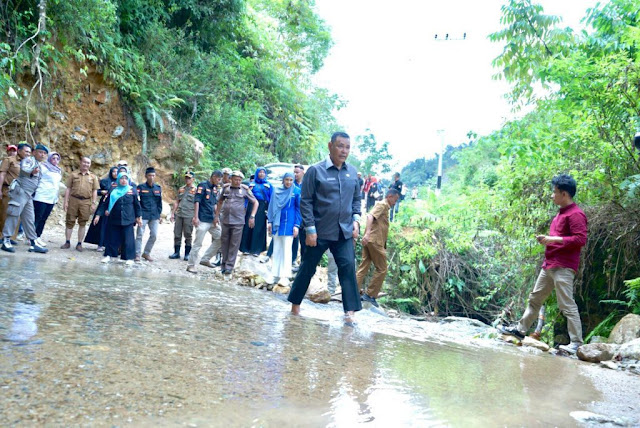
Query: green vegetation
472	251
234	73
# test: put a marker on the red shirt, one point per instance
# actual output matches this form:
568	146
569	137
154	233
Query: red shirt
571	224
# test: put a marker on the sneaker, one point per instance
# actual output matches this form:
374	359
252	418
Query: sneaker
571	348
147	257
264	259
511	330
129	263
79	247
137	259
20	236
255	255
295	269
6	246
105	259
100	250
192	269
366	298
35	248
207	264
223	271
65	246
13	242
40	242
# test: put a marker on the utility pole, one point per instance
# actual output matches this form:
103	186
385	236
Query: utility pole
439	182
447	38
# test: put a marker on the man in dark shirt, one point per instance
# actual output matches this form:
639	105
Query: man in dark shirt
203	220
397	186
330	207
568	234
150	195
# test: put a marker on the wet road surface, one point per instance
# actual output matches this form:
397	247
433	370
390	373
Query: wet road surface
109	345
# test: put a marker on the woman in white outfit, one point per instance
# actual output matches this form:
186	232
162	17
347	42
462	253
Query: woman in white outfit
47	193
284	223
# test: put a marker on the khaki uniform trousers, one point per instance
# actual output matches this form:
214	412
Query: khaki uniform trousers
562	280
376	254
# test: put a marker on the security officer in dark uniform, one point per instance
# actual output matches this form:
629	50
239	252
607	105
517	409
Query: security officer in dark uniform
151	206
182	214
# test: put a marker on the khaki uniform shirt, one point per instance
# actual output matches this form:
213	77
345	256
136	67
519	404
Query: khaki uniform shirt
186	197
10	166
380	226
234	210
82	185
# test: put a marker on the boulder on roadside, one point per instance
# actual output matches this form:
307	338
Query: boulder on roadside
596	352
533	343
627	329
281	289
630	350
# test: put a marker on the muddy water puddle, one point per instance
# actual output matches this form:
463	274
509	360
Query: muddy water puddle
120	346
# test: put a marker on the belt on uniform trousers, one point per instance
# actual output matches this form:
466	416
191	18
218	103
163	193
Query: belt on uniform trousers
80	197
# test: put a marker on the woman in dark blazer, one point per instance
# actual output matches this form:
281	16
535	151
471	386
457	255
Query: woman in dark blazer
122	210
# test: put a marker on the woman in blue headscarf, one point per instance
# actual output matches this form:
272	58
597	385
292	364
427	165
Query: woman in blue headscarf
284	223
254	240
122	210
97	232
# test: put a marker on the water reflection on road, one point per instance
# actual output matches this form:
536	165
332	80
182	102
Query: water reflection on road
109	345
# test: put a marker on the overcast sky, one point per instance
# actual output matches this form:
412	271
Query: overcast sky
403	85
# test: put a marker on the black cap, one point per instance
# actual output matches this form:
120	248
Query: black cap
149	170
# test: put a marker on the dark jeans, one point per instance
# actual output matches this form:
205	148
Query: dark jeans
395	208
42	212
344	255
120	236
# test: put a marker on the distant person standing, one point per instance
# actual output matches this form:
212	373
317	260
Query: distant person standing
232	206
361	183
47	194
414	193
21	205
567	236
254	239
398	186
284	223
150	194
9	171
80	200
374	247
182	213
226	176
373	193
298	241
330	207
204	217
97	232
122	209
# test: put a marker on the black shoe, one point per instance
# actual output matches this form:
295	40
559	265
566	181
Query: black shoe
14	242
366	298
223	271
511	330
174	256
186	258
218	263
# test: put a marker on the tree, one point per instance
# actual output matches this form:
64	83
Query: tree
374	157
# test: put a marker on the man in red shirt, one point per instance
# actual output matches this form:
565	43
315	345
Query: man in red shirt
568	234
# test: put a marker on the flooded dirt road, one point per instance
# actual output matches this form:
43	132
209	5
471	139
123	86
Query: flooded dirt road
114	346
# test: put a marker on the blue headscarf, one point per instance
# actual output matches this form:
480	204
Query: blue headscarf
259	185
119	191
258	180
281	198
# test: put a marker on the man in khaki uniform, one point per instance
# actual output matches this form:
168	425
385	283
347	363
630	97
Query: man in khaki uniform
182	214
80	200
232	216
9	171
374	247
